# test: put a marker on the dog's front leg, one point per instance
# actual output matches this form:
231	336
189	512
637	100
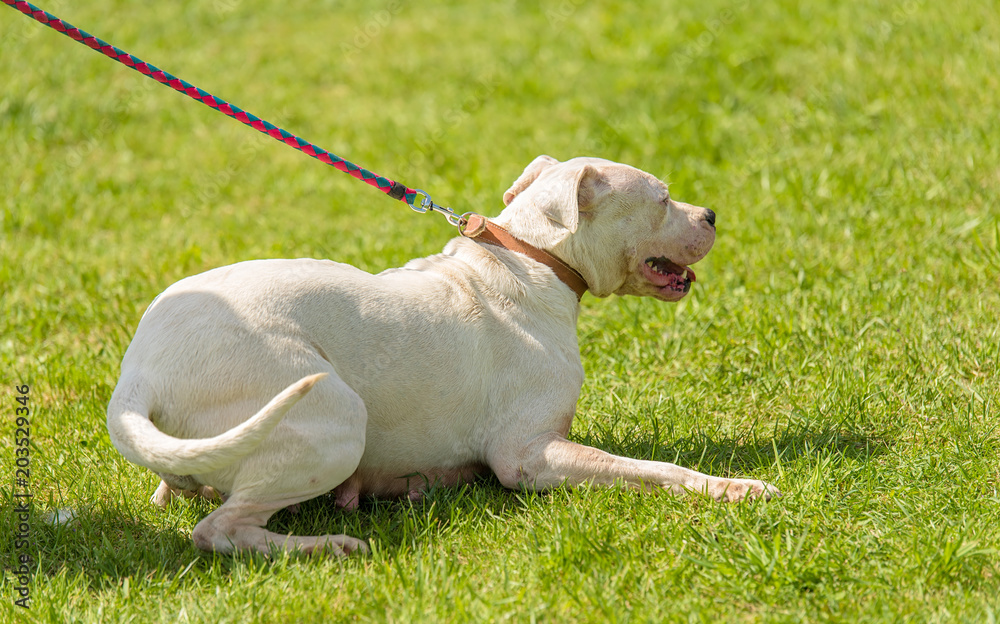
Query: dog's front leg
551	460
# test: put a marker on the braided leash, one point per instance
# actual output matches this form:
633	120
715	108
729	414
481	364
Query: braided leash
391	188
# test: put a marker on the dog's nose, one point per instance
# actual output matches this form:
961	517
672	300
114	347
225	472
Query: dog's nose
710	217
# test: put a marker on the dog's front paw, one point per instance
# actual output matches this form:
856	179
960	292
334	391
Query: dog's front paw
736	490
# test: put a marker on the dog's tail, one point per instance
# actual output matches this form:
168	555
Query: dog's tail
138	439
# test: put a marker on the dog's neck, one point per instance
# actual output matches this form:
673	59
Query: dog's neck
478	227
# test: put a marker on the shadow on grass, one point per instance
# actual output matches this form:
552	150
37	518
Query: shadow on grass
101	547
726	455
107	545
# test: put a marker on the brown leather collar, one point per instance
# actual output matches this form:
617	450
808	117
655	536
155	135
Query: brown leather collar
478	227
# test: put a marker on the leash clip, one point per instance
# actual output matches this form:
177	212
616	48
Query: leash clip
427	205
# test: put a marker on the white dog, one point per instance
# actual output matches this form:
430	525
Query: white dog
454	365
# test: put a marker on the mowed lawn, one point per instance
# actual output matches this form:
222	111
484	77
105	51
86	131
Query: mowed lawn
842	340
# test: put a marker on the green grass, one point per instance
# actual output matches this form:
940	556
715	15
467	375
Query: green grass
842	340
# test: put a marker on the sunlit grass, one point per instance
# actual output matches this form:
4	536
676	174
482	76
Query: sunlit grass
842	340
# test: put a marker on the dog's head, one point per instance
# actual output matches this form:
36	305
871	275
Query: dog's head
615	224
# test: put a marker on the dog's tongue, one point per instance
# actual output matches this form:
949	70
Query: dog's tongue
669	266
663	272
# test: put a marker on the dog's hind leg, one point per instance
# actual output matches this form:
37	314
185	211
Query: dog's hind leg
238	525
314	449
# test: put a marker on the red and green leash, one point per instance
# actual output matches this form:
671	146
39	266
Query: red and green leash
393	189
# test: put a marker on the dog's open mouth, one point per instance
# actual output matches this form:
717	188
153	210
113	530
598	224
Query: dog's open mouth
667	275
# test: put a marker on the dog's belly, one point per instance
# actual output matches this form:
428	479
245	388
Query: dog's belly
371	482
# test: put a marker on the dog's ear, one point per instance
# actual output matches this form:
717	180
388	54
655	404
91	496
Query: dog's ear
531	172
590	187
578	192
